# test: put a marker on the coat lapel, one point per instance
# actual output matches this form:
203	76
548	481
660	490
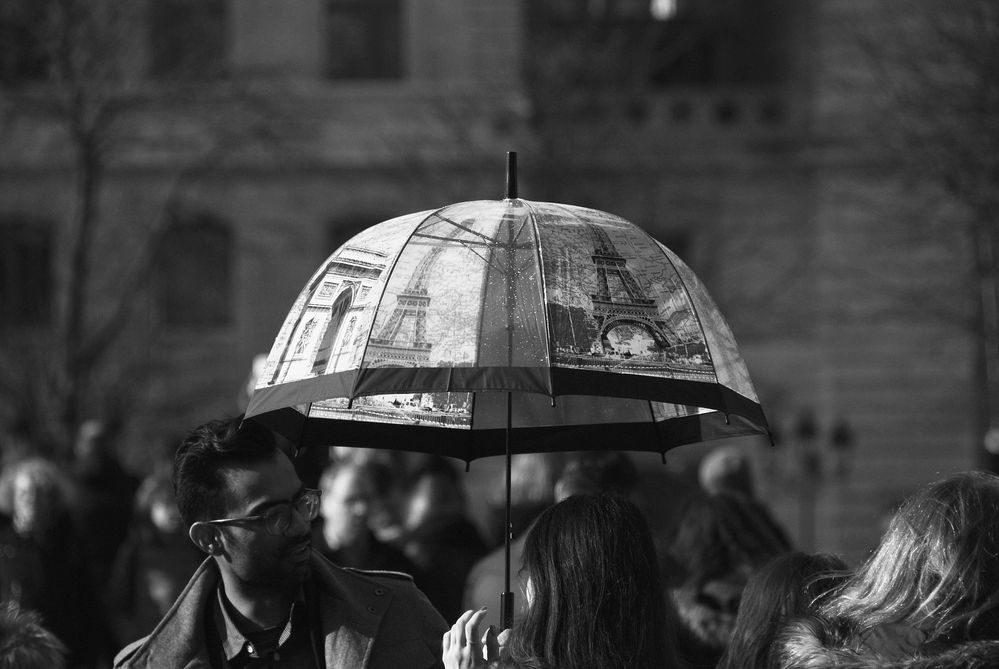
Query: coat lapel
352	610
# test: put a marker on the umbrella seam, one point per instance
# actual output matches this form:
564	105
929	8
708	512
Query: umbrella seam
378	304
544	298
697	316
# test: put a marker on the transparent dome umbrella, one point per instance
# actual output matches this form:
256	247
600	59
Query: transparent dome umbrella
507	326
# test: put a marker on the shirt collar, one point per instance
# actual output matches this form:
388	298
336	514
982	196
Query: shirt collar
233	640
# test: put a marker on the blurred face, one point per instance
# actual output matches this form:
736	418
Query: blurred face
33	504
164	515
433	497
251	554
346	505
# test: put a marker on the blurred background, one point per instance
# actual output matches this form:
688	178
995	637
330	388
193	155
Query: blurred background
172	172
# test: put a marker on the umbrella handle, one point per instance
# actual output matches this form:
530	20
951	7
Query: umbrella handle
506	610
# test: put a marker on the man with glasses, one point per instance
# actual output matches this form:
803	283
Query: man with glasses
264	598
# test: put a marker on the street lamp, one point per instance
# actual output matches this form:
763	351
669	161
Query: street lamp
813	446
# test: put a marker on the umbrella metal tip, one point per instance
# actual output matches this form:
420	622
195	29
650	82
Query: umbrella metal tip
511	175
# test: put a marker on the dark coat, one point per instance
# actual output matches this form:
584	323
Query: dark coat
705	622
369	621
445	550
811	643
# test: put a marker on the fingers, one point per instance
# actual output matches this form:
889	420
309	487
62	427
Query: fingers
490	646
460	645
472	627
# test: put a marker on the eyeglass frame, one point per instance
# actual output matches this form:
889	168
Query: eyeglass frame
292	506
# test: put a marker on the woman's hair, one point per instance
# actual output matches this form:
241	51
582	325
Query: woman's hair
720	534
788	586
597	600
937	566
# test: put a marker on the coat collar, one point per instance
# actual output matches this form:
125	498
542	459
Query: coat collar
351	608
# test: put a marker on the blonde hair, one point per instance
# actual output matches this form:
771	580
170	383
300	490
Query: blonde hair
937	566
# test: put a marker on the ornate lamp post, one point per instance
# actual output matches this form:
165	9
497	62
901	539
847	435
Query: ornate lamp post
813	447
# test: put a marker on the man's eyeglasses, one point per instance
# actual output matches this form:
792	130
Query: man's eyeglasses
277	519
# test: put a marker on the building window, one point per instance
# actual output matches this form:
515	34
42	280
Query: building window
187	39
363	39
25	273
23	53
721	42
194	273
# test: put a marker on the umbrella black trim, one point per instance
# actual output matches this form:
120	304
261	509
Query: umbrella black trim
469	445
564	381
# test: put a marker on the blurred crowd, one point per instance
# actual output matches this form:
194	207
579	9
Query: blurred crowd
92	557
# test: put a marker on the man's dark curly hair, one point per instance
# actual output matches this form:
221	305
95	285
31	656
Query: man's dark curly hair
205	458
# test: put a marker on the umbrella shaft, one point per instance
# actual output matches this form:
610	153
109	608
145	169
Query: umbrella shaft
506	600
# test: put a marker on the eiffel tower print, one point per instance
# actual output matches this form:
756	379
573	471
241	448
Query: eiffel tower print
402	339
620	299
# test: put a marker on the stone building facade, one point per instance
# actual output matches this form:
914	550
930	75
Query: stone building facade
336	115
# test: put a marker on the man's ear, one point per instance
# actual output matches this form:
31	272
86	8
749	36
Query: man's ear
206	537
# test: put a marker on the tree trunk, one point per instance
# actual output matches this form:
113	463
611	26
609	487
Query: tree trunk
75	372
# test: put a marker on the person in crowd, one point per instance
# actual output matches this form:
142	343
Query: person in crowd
594	596
25	643
441	540
585	472
928	596
153	565
727	470
389	470
532	486
40	560
788	586
719	542
105	493
263	596
344	534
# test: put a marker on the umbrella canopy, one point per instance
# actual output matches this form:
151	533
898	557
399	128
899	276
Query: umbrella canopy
557	327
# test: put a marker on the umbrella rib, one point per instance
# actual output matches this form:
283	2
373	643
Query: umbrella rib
465	242
478	255
522	225
381	296
652	418
489	240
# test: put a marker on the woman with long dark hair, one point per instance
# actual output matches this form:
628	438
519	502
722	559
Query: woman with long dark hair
595	597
